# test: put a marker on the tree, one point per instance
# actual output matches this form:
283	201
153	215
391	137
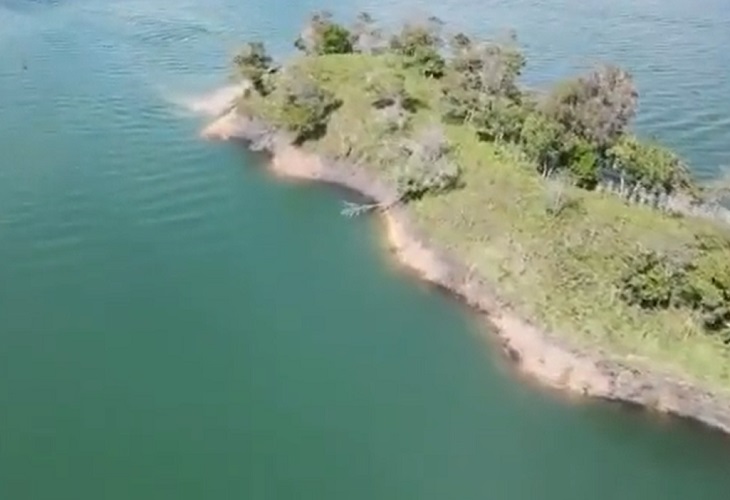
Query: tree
429	168
482	88
541	139
365	36
655	280
598	107
253	63
499	119
321	35
419	44
387	88
650	165
582	162
306	109
335	40
488	67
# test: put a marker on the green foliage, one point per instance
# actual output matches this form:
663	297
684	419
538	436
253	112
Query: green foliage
541	139
305	108
428	61
652	280
335	40
419	46
387	88
459	104
489	68
322	36
500	120
481	89
559	200
418	178
253	63
651	165
597	107
582	162
428	168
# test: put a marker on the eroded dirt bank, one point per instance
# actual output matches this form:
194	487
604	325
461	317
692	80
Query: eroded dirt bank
538	353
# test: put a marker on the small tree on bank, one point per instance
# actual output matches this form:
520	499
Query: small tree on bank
305	109
253	63
419	44
387	88
482	88
541	140
321	36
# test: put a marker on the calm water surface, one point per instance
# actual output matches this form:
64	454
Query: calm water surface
176	325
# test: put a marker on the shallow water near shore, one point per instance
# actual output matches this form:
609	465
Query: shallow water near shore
177	324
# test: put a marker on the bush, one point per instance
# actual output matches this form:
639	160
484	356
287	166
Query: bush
598	107
650	165
428	168
652	280
558	199
321	35
582	161
419	45
253	63
305	109
335	40
540	139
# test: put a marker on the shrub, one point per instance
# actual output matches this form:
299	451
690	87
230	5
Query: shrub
253	63
428	168
305	109
652	280
321	35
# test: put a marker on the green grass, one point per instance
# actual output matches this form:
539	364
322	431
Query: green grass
558	271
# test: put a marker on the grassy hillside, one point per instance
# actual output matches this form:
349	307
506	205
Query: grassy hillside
564	255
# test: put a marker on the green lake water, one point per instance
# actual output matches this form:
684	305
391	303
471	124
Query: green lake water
176	324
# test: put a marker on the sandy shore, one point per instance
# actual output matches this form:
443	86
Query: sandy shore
540	354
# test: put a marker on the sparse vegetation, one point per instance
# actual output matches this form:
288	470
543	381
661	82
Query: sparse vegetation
253	63
584	227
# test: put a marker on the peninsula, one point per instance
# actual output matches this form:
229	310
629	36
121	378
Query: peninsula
602	263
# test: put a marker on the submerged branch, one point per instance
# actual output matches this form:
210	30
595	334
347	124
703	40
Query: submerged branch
355	209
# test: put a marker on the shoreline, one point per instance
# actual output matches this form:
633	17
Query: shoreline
537	353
